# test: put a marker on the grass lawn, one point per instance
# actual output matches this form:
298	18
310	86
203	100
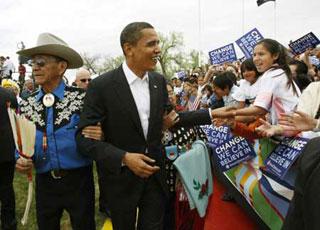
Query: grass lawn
21	189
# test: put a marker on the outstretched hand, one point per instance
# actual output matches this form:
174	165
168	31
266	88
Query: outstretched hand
223	122
140	164
223	112
268	130
298	121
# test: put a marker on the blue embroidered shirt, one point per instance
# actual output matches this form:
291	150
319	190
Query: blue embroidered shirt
59	123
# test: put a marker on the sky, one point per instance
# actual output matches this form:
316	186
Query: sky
94	26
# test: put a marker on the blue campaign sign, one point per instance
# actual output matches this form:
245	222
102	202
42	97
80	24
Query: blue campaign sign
248	41
216	135
242	59
307	41
223	54
284	155
232	152
181	75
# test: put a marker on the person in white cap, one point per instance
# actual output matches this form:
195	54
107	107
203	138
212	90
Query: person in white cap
64	178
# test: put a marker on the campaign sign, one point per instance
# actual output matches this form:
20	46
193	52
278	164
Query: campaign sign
181	75
284	155
232	152
242	59
223	54
302	44
248	41
216	135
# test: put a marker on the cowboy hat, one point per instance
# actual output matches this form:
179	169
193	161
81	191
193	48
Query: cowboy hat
52	45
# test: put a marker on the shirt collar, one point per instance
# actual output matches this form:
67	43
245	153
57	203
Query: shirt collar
58	91
131	76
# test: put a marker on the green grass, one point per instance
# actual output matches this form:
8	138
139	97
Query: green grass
20	184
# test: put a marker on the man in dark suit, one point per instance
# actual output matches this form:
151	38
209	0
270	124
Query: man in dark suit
130	102
7	162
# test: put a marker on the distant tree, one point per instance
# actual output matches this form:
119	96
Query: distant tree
171	46
98	64
91	62
173	56
110	63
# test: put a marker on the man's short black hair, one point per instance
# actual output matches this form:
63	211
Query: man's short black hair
132	32
223	80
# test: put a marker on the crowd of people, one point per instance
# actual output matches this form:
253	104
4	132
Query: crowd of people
126	119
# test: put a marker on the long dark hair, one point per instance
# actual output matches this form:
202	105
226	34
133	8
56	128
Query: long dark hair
275	48
248	65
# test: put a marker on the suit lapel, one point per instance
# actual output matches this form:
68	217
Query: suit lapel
124	94
154	89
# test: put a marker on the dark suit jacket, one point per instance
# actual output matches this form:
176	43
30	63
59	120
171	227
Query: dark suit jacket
304	211
7	146
110	101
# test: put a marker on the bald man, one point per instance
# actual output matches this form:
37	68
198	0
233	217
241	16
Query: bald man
83	78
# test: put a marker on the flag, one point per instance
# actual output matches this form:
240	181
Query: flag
260	2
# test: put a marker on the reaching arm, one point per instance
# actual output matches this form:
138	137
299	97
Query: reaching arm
249	111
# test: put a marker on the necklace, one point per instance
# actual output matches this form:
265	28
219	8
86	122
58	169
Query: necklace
48	100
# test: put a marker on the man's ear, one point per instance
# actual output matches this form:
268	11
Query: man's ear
63	67
127	48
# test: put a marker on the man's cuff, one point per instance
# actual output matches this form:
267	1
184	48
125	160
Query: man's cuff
210	113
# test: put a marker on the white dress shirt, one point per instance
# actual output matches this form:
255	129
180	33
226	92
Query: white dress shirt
141	94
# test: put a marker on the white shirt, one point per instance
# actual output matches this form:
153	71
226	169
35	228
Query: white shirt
246	91
7	66
274	94
229	100
141	95
177	90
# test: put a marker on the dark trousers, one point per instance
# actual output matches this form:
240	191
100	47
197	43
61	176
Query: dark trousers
150	210
7	199
74	192
102	187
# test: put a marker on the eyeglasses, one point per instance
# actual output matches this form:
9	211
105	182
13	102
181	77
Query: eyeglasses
85	80
39	62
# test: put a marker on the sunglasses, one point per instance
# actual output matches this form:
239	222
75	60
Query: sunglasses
38	62
41	62
85	80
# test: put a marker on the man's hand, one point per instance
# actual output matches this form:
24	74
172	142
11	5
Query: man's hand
223	112
24	165
268	130
140	164
93	132
220	122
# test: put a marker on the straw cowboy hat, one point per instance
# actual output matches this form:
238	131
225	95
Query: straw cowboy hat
52	45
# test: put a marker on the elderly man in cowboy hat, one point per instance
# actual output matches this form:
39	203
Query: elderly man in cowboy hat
64	178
